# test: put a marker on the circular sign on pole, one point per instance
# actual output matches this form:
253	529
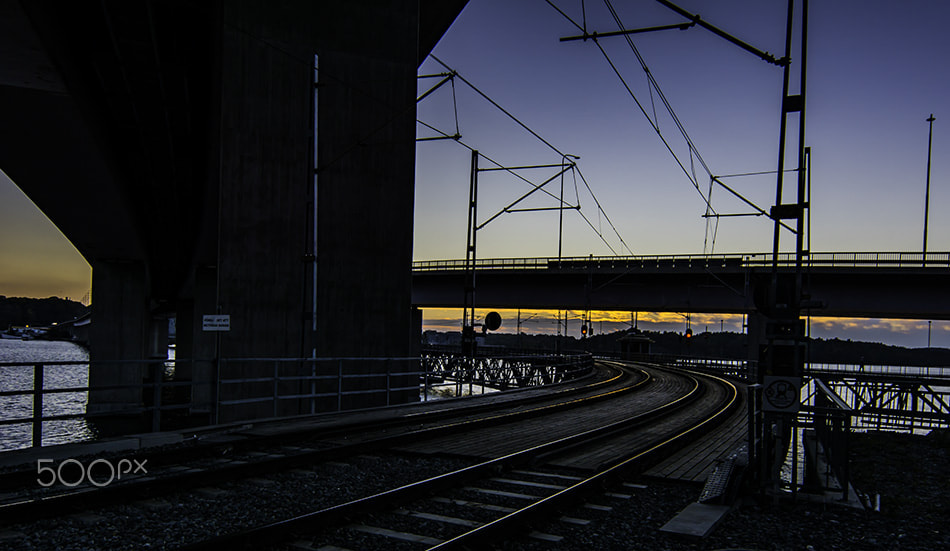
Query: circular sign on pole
781	393
492	321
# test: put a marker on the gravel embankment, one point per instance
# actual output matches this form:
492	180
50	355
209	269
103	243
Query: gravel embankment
911	473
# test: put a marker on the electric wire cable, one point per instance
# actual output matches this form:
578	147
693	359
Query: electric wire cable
576	207
654	123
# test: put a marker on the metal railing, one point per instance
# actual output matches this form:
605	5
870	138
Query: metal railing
934	260
742	370
906	371
36	384
831	422
254	388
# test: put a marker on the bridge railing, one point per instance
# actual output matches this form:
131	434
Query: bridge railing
741	370
889	398
896	259
907	371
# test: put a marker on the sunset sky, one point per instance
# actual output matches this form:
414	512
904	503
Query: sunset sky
876	71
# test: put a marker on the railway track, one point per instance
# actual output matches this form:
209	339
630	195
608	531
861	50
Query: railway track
258	452
495	498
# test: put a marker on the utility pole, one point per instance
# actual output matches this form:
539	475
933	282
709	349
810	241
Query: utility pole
930	141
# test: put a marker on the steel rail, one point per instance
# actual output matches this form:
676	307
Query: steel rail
272	533
46	505
516	519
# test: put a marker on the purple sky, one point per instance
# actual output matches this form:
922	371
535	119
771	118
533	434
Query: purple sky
875	73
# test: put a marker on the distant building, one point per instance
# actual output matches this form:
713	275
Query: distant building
634	345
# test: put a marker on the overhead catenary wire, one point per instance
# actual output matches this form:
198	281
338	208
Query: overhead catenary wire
655	127
529	182
532	132
652	84
495	104
682	129
764	172
654	122
636	100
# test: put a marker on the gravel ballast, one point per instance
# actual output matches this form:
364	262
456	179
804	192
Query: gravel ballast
911	474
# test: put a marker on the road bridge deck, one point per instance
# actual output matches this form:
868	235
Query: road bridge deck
873	284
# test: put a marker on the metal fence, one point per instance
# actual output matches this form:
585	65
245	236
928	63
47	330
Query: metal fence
227	390
880	397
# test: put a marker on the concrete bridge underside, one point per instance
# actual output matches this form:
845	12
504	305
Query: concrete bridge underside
172	142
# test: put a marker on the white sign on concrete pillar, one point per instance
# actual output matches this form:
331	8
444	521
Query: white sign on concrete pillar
216	322
781	393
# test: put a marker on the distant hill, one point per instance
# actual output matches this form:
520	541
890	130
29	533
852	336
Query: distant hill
37	311
715	345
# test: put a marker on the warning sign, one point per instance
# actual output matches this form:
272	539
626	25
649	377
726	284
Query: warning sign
216	322
781	394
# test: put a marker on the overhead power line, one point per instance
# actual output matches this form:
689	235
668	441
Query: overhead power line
456	137
712	217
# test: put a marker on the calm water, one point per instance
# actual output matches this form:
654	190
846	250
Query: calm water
56	376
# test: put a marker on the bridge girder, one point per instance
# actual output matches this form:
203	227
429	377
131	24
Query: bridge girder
902	293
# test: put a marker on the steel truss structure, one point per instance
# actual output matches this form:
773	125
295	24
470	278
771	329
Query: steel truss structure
886	401
503	372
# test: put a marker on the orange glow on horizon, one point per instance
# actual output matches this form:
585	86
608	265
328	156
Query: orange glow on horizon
539	321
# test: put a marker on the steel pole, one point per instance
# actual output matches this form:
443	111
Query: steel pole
927	192
560	217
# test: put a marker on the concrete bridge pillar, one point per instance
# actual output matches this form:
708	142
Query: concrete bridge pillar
195	350
118	343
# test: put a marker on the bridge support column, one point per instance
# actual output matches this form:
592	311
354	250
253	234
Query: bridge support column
365	202
195	349
118	345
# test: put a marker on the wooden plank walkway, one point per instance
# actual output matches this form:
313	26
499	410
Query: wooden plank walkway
505	438
696	461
